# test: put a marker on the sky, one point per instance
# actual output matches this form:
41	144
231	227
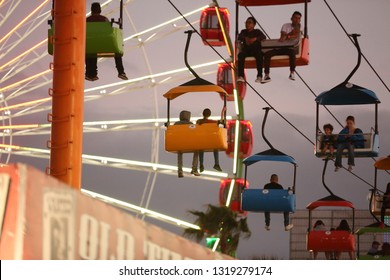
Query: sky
332	57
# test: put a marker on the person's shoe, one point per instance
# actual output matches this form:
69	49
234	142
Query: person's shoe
268	228
258	79
336	169
217	167
350	167
195	172
201	168
288	227
292	76
89	78
241	79
266	79
180	174
122	76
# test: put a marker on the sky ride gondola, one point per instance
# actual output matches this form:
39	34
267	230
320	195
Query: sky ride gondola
246	143
269	200
375	232
330	240
225	80
301	45
103	39
187	138
378	197
378	228
210	28
349	94
235	202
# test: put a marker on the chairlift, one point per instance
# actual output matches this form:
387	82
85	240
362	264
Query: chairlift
210	28
330	240
103	39
269	200
188	138
372	232
377	196
235	202
301	46
225	80
246	143
347	94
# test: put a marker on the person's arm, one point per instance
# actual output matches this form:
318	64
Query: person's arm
260	35
285	34
241	37
357	138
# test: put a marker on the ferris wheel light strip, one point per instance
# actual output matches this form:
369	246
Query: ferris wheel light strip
147	212
25	80
23	21
114	122
25	104
230	194
108	160
23	54
164	23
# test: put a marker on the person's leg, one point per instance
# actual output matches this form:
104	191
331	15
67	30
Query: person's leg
91	67
216	157
339	153
180	164
216	161
324	149
119	65
351	255
267	216
201	160
267	61
256	51
351	155
286	216
195	164
292	59
241	63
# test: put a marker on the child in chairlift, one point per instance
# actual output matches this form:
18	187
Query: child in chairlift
328	141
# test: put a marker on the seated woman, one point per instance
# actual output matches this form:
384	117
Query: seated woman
349	138
320	226
345	226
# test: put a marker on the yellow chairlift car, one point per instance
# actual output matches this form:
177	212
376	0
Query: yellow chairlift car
190	137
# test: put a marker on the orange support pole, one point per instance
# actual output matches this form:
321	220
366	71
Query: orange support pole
67	92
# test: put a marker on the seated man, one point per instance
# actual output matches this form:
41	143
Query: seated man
250	42
91	62
275	185
206	115
374	248
185	117
289	31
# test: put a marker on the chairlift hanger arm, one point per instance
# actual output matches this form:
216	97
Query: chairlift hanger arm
356	43
323	177
189	34
263	127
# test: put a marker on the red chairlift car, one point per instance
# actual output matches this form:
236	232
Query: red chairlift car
301	46
235	203
225	81
329	241
246	144
210	28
